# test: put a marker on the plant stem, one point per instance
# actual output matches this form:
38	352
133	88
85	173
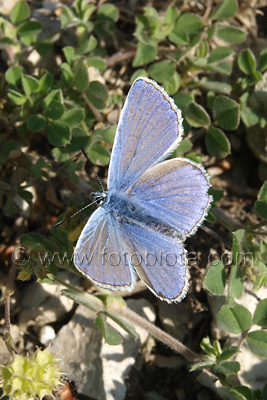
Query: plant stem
7	313
158	334
131	316
226	221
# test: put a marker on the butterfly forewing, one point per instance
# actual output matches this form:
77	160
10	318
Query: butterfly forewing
150	125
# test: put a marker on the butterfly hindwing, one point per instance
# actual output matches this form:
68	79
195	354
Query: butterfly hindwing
99	253
159	260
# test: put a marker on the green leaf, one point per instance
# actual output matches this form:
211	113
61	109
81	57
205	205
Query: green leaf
54	110
257	343
261	208
214	279
69	53
202	50
219	54
234	320
37	168
67	16
7	148
262	195
227	368
226	112
230	34
196	115
106	134
238	239
235	284
26	195
247	62
136	74
196	157
188	23
179	37
86	10
81	75
161	71
111	336
263	60
123	324
216	194
217	143
20	12
30	84
260	315
73	117
34	241
172	84
106	16
249	116
58	133
88	45
108	11
97	62
80	139
261	204
211	217
85	299
36	123
13	74
202	365
45	83
67	74
242	393
226	9
144	54
223	67
218	87
207	347
55	95
227	353
97	94
44	46
181	99
16	97
264	392
169	20
185	146
29	28
99	155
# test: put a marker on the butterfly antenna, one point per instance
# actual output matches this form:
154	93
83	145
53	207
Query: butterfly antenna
73	215
92	167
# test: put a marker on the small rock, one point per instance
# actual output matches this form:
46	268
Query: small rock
78	345
98	369
118	360
46	334
42	303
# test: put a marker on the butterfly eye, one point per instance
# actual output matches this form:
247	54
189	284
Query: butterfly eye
99	197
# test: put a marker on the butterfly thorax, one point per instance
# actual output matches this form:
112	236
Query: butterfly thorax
126	208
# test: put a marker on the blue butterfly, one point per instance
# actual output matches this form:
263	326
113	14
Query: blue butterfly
150	206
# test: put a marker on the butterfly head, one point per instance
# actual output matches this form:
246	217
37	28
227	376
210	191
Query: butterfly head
99	197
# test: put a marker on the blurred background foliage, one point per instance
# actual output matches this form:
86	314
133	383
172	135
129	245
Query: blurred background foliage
63	81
